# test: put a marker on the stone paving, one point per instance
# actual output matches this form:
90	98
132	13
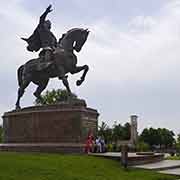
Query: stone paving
117	154
133	158
175	171
163	165
166	167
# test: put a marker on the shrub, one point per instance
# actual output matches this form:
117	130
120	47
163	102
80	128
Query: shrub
142	146
110	148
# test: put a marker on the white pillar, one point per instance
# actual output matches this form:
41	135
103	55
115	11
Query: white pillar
134	132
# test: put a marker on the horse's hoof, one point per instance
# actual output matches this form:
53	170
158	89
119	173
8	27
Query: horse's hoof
78	82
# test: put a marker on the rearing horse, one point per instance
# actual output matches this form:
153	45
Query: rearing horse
63	61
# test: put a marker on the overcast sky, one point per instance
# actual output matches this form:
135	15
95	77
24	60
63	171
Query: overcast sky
133	52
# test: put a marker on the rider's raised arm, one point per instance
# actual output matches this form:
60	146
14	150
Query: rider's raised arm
43	16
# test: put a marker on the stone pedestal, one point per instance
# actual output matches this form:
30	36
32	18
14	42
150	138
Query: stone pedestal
61	124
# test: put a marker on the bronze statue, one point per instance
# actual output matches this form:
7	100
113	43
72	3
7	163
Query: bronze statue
43	38
56	59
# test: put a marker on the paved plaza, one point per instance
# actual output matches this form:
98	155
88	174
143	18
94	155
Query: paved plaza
162	165
165	167
175	171
117	154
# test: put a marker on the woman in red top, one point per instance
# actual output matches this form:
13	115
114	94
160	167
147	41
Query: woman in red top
89	143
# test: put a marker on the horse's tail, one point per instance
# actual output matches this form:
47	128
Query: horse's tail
20	75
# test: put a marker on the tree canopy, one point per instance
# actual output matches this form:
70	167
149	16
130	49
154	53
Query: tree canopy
161	136
117	132
1	134
178	139
54	97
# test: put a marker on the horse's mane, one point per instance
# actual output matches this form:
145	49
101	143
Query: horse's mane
74	29
64	35
72	34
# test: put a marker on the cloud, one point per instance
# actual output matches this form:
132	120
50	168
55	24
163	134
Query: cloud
138	68
149	52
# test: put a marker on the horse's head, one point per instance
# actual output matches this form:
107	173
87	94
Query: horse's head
74	39
81	39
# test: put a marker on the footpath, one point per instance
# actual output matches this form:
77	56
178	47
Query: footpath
166	167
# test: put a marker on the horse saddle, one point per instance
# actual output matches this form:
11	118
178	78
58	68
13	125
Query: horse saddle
43	65
43	62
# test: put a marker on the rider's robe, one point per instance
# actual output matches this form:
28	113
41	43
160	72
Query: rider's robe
42	37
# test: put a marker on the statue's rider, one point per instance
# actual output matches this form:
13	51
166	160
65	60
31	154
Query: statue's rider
42	37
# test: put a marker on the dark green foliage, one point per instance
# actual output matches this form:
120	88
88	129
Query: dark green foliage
53	97
126	133
142	146
1	134
161	137
117	132
20	166
178	139
178	145
173	157
105	131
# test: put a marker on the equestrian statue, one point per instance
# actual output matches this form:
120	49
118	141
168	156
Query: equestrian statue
56	58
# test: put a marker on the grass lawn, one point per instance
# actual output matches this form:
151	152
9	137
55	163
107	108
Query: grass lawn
26	166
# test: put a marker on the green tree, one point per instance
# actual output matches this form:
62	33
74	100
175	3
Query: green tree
1	134
121	132
178	139
102	128
178	144
144	137
161	136
167	137
53	97
105	131
142	146
126	131
117	132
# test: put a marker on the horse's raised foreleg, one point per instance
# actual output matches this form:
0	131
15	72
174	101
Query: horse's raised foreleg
78	69
21	91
